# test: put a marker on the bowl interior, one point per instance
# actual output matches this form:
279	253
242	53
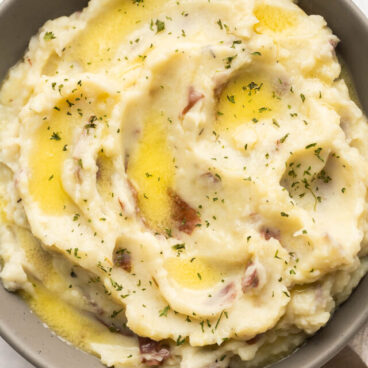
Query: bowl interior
19	20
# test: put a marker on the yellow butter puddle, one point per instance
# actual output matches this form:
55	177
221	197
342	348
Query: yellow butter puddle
52	144
192	273
97	45
67	321
151	169
47	157
35	255
247	98
104	176
274	18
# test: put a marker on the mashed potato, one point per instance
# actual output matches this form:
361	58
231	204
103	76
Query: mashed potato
183	183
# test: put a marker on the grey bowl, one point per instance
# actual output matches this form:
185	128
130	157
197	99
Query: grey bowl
19	20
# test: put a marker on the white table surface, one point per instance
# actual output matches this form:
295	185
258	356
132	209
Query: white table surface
10	359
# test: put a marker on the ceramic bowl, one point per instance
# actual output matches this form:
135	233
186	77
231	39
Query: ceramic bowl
19	20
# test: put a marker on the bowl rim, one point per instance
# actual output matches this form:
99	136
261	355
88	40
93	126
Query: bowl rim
315	352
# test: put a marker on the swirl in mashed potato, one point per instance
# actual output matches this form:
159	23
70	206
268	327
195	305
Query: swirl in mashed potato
183	183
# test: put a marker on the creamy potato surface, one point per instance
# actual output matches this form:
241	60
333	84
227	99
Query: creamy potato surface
183	183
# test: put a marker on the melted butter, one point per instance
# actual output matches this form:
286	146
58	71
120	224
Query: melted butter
247	98
151	169
274	19
195	274
45	184
40	259
98	43
105	171
51	145
68	323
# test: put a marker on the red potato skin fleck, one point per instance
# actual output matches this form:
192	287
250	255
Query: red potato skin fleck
221	82
268	233
211	178
134	192
227	289
334	43
282	86
152	352
123	260
77	171
185	217
227	294
193	97
121	204
250	281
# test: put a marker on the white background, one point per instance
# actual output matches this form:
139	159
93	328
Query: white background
363	5
8	357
